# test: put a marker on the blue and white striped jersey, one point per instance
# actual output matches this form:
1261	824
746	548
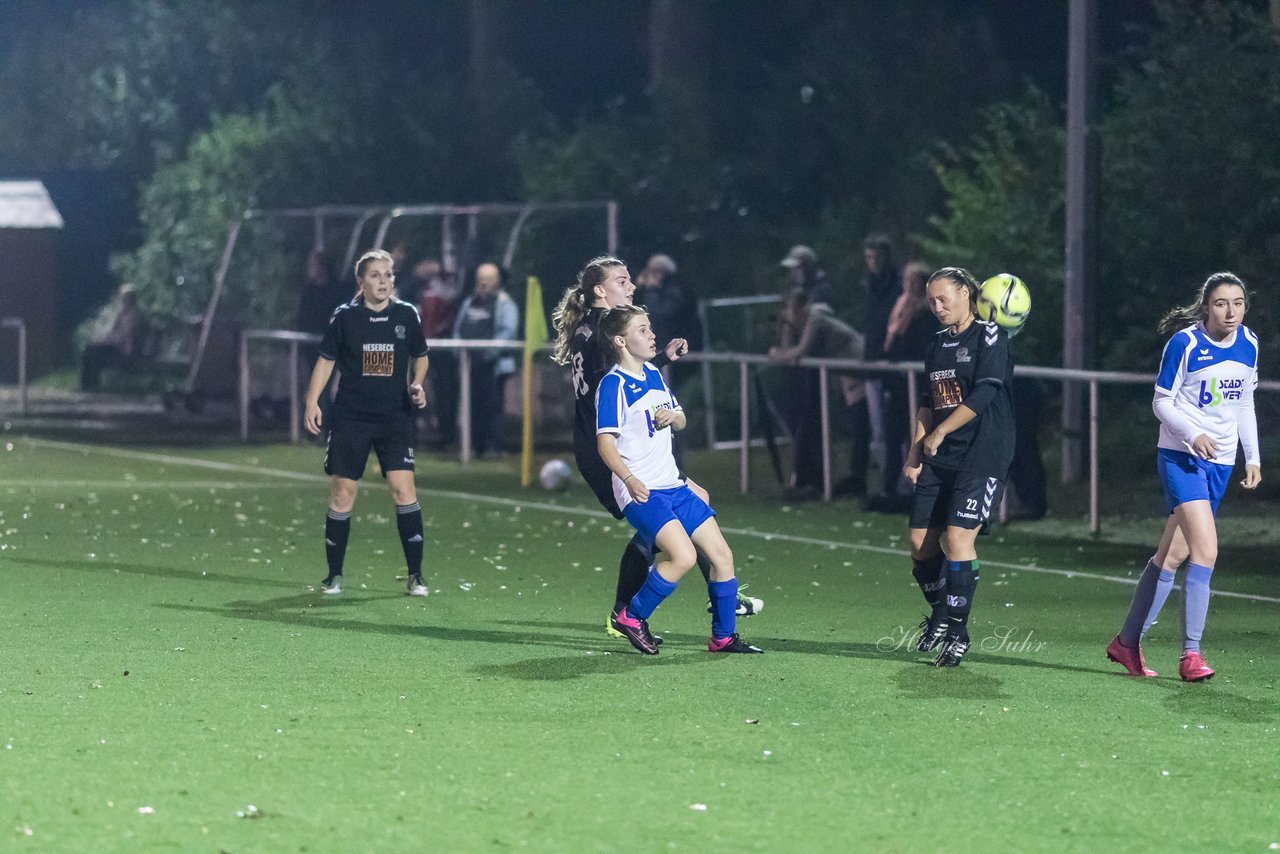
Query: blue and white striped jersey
625	404
1206	387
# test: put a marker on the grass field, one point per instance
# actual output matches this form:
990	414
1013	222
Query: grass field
168	664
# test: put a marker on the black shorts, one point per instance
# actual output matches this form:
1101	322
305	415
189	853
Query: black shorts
598	477
950	498
351	439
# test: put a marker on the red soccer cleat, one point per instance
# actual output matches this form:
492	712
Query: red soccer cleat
1129	658
1191	668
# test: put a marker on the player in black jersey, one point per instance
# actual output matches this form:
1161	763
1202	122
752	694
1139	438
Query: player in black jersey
959	458
602	284
374	340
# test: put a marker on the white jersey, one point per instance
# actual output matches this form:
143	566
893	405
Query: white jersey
1206	387
625	405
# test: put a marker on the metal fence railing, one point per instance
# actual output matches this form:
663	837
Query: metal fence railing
744	443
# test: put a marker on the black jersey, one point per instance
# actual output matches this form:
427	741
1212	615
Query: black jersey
373	350
956	365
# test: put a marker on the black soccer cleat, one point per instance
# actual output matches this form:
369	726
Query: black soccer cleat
634	630
614	633
953	650
733	643
932	630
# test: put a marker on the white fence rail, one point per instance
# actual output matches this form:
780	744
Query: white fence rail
743	443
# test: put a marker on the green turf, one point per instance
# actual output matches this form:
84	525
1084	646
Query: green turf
165	651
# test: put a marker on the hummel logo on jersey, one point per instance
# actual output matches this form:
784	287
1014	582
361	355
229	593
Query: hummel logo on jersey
378	319
946	344
633	388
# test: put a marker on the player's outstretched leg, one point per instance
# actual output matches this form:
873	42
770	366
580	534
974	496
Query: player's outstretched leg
962	583
722	589
1195	604
337	530
1125	648
409	525
929	574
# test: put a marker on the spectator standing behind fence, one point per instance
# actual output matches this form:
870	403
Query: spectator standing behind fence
488	313
116	339
886	393
910	328
438	306
823	335
808	286
661	295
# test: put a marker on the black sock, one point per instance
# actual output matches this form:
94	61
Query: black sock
633	570
409	522
962	583
337	528
929	575
705	566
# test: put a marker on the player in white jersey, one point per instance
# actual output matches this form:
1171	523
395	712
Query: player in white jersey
1204	400
635	414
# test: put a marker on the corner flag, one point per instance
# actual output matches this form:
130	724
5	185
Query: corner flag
535	335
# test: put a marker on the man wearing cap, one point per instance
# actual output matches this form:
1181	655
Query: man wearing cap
808	286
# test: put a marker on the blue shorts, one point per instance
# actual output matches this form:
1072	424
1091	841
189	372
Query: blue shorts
1186	477
679	503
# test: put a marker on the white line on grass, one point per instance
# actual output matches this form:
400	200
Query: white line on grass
144	484
582	511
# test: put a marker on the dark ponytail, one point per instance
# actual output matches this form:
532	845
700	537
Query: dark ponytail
575	302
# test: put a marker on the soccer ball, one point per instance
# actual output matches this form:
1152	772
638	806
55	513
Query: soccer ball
555	475
1004	300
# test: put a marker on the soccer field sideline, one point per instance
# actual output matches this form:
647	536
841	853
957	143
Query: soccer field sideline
285	474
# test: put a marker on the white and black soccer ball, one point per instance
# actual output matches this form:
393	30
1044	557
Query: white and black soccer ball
555	475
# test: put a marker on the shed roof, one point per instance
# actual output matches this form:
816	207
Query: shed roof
26	204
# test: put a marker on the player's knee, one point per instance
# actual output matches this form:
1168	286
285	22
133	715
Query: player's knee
342	496
683	557
403	495
1205	555
721	563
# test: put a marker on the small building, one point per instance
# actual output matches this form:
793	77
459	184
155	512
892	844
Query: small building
29	276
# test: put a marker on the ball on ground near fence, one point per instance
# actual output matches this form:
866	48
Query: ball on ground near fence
1005	300
555	475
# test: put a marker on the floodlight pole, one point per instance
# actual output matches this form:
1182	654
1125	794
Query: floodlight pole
1079	315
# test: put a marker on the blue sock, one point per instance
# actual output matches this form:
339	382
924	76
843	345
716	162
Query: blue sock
724	607
1163	588
1195	604
655	589
1140	608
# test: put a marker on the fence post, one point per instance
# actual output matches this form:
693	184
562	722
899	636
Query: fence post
244	386
744	425
295	433
825	404
464	403
1095	524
